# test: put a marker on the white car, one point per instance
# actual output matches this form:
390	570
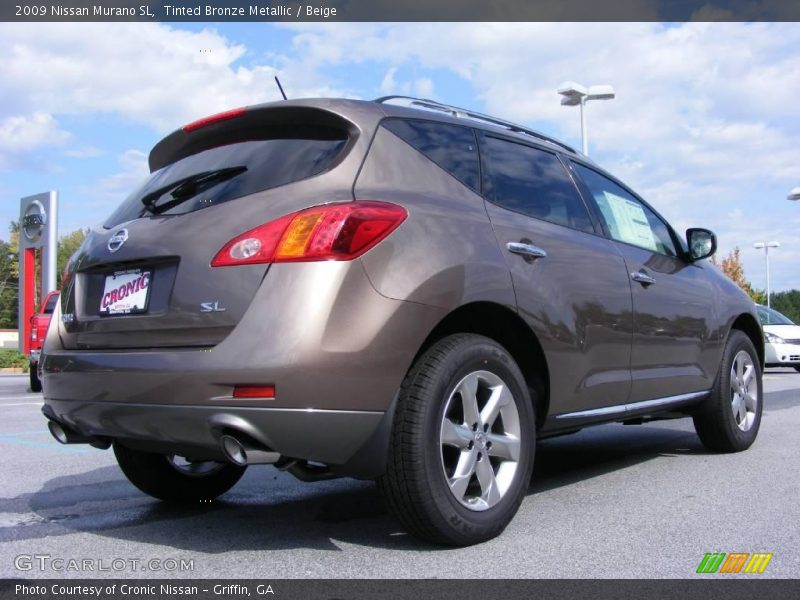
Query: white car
781	339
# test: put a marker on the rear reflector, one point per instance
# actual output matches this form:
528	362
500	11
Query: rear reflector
329	232
254	391
218	118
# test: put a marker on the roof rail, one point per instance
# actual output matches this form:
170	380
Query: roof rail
462	113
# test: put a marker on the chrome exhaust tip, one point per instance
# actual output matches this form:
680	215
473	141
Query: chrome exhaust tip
233	450
244	452
58	432
65	435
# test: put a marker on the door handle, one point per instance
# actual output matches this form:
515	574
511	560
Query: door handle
525	250
642	278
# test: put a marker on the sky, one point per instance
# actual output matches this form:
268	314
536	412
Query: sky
705	125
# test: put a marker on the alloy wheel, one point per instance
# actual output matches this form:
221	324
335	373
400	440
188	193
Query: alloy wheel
744	390
480	440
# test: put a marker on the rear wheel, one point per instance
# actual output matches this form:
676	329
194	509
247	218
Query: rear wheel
730	419
176	479
462	445
797	369
36	385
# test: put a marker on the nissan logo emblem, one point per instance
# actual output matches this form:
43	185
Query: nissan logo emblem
115	241
34	221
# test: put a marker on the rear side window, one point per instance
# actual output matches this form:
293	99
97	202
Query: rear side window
451	147
627	219
51	304
533	182
231	171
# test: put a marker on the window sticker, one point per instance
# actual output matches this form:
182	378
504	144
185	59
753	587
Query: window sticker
629	220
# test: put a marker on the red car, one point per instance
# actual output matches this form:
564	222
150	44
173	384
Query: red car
39	324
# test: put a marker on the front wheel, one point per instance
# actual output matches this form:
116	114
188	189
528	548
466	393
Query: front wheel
463	438
176	479
730	419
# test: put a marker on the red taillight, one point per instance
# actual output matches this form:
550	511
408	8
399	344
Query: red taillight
218	118
254	391
327	232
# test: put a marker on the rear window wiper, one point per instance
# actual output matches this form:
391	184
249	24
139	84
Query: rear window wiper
188	187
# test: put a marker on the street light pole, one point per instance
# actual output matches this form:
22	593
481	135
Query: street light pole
584	130
766	246
575	94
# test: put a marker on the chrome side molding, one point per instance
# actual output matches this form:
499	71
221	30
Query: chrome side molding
620	409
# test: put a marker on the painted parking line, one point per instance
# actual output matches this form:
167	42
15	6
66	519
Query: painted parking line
22	404
52	445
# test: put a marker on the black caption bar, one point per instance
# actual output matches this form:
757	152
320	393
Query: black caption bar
401	10
440	589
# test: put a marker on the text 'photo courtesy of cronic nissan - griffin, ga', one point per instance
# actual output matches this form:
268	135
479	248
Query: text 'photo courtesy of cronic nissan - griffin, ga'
396	290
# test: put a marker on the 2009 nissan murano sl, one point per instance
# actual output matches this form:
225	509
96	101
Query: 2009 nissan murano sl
395	290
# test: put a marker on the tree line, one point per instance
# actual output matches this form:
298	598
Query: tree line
9	270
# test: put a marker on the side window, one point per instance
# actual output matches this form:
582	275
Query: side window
533	182
627	219
451	147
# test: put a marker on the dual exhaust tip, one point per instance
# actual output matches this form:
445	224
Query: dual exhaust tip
243	451
238	449
65	435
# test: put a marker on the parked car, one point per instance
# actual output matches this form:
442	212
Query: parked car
394	290
39	324
781	339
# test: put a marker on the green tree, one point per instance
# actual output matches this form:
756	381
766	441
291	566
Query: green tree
9	270
67	246
787	303
732	266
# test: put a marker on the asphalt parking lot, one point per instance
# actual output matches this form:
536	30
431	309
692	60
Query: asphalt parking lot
613	501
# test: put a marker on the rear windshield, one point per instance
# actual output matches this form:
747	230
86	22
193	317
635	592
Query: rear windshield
231	171
51	304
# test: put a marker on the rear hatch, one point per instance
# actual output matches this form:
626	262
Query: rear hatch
143	279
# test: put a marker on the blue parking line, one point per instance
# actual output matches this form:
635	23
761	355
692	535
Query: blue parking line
54	445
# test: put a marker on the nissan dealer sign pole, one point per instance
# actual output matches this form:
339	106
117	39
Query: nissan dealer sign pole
38	224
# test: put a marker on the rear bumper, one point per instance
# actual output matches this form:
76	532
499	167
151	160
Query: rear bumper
332	437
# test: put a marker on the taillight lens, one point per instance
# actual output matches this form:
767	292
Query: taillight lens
328	232
213	119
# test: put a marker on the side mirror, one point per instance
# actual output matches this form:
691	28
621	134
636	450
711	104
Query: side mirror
702	243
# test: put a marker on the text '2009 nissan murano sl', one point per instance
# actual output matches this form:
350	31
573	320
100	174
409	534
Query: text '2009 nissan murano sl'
394	290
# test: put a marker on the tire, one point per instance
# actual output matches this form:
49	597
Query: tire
432	439
36	385
797	369
164	478
721	426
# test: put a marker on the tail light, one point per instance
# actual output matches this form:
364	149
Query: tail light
328	232
213	119
34	330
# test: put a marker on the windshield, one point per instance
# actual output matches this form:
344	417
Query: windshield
769	316
249	167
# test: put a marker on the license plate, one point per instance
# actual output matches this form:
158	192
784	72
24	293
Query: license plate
126	292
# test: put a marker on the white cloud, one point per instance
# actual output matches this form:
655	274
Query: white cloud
423	88
389	84
22	135
109	191
149	73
